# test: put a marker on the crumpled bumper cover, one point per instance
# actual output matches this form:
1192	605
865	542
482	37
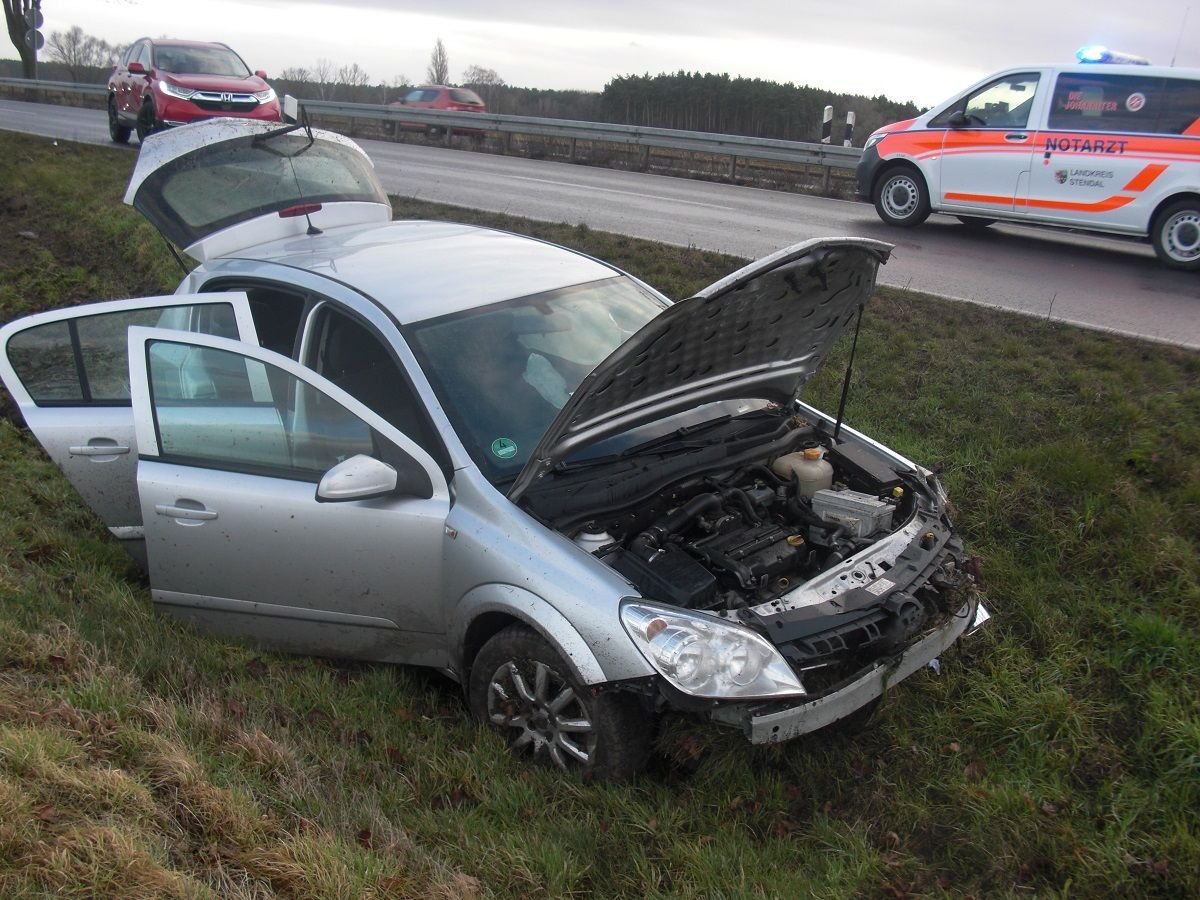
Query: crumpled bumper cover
808	716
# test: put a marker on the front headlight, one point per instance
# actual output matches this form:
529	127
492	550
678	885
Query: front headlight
175	90
265	96
707	657
874	139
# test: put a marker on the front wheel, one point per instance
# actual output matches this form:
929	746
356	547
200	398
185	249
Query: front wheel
1176	235
901	198
146	122
118	132
520	687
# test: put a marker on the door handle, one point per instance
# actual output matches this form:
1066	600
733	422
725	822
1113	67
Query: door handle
98	450
183	512
1016	136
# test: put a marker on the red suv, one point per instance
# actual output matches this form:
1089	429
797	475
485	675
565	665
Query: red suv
159	83
439	96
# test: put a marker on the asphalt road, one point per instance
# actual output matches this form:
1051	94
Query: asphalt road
1094	281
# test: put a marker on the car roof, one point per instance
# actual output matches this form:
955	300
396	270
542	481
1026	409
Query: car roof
418	270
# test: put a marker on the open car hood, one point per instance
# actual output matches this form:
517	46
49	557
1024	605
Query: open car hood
758	333
218	187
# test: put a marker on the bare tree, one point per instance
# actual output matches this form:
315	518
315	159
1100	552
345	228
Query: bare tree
14	18
486	83
439	64
77	50
353	77
322	73
295	73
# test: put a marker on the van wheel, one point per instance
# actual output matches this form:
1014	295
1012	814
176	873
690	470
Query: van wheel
1176	235
901	198
520	687
975	223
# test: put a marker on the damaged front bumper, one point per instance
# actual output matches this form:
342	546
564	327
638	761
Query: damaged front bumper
808	716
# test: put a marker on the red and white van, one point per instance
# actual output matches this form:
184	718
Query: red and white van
1113	148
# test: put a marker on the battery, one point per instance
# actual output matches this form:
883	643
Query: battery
860	514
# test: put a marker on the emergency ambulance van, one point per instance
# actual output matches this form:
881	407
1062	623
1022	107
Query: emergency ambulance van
1112	148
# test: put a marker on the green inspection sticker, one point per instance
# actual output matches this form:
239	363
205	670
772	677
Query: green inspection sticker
504	448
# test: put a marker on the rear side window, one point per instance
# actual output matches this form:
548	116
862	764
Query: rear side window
1100	101
84	360
1181	106
421	96
462	95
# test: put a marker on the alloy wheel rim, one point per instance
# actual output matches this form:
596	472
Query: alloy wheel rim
1182	236
541	713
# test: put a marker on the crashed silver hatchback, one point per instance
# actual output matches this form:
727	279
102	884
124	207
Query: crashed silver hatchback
439	445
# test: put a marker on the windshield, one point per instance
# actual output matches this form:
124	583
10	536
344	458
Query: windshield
200	61
224	183
503	372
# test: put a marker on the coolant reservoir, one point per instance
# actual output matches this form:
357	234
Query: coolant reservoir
816	474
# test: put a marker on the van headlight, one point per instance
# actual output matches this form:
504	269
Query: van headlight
874	139
707	657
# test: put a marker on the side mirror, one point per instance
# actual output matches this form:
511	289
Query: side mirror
357	478
136	68
958	119
261	74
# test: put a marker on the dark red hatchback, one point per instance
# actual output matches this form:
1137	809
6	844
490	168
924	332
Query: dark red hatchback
440	96
160	83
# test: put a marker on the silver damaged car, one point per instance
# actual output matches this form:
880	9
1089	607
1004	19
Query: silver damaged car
439	445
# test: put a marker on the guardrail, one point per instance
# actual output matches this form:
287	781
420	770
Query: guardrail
66	87
735	147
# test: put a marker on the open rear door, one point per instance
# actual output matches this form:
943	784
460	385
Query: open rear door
68	372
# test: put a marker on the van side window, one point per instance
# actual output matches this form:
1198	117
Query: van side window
1101	101
1181	106
1004	103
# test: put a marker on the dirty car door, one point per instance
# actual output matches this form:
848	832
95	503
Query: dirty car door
246	534
67	371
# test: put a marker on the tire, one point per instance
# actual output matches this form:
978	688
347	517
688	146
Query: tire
1176	235
147	123
521	688
118	132
975	223
901	198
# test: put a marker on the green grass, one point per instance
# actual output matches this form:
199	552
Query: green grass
1058	753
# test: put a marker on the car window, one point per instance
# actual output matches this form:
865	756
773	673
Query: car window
1102	101
85	359
1003	103
462	95
349	354
199	193
201	61
1181	106
421	96
144	55
503	372
223	410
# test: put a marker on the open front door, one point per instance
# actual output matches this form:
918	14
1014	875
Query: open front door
280	508
68	372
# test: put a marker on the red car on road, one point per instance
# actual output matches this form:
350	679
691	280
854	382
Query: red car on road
160	83
440	96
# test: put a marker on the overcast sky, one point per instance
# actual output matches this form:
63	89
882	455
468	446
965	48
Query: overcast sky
920	50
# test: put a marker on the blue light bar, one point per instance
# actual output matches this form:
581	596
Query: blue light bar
1097	53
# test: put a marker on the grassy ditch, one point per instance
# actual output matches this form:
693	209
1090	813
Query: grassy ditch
1058	753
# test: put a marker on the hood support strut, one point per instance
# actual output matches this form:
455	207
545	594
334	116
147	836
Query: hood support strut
837	428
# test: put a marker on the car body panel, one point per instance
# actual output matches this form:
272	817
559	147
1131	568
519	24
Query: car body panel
91	438
760	332
231	538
